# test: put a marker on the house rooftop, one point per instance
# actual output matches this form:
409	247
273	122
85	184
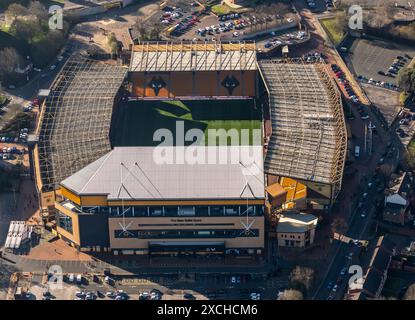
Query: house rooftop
291	222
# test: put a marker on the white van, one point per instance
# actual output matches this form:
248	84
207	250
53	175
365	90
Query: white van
357	151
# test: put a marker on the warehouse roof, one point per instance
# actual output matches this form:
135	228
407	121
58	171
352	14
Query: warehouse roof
137	173
193	56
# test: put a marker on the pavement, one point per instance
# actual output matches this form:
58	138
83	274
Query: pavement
359	225
172	287
332	53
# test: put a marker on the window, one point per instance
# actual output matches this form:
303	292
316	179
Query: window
65	222
232	211
156	211
216	211
186	211
178	234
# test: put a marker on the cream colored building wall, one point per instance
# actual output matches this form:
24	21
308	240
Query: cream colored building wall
186	224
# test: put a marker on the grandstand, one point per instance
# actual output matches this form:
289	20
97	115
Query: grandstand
199	86
308	141
75	119
203	69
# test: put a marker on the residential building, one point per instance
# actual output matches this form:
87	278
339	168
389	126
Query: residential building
397	204
375	264
296	229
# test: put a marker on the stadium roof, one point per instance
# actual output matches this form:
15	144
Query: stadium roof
134	173
75	120
308	140
193	56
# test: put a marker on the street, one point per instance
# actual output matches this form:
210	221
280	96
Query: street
364	209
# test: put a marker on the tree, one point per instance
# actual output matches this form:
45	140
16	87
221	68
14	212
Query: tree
37	9
140	29
9	61
406	79
378	18
16	10
301	278
112	43
339	225
45	47
155	32
291	294
410	293
26	28
340	22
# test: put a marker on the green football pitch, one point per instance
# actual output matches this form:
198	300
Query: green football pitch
142	119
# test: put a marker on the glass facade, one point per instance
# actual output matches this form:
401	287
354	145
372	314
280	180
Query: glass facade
178	211
180	234
65	222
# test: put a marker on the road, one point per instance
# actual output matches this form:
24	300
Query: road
364	209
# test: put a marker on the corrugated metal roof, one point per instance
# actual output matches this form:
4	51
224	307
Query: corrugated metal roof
209	56
135	173
308	134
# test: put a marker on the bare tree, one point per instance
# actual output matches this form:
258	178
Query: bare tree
155	32
291	294
339	225
406	79
378	18
140	29
10	59
37	9
410	293
302	278
16	10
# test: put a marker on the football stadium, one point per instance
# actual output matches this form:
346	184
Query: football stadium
171	155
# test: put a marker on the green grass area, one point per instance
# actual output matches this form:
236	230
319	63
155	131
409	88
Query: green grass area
403	96
334	29
142	119
220	9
